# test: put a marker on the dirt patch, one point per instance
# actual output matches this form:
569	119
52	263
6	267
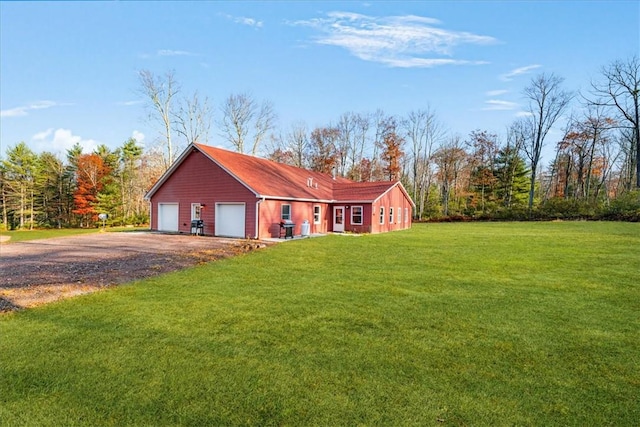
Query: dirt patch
40	271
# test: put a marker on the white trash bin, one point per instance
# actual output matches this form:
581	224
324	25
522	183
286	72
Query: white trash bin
304	228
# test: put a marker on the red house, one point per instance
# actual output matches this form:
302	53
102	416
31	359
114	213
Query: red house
236	195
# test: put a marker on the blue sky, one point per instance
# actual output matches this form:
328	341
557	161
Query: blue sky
69	70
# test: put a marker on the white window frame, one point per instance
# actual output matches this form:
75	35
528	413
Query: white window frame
406	215
399	215
390	214
196	211
353	208
317	213
284	216
381	215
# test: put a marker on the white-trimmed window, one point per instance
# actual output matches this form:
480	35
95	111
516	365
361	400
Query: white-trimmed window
356	215
391	215
406	215
399	215
316	214
196	211
381	214
285	212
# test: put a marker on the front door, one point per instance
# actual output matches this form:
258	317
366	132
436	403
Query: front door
338	219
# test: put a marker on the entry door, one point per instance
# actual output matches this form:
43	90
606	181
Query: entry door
338	219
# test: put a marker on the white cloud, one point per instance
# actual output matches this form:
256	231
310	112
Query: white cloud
40	136
498	105
243	20
519	71
496	92
24	110
160	53
130	103
523	114
169	52
248	21
397	41
138	136
60	140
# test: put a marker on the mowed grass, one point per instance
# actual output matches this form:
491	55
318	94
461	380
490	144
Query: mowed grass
443	324
24	235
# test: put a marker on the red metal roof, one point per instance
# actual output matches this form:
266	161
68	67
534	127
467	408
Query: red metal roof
276	180
361	191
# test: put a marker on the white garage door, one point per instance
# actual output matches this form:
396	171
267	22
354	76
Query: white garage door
230	219
168	216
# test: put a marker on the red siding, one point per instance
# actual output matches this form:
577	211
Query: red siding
198	180
270	217
365	227
396	199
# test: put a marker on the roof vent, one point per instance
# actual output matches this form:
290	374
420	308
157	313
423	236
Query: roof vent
310	182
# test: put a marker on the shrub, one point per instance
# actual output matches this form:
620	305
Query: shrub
625	207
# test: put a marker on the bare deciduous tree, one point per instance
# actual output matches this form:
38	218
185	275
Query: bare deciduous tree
298	143
423	131
621	91
451	159
160	91
547	102
241	115
193	120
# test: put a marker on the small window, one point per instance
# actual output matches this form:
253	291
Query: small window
406	215
285	212
196	210
316	214
381	214
399	215
391	215
356	215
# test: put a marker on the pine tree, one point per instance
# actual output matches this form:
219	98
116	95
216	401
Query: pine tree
512	176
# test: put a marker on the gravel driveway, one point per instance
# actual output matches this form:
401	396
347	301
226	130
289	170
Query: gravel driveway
40	271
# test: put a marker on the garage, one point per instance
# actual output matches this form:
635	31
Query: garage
230	220
168	216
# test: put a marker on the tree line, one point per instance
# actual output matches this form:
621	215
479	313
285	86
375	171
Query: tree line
594	172
43	190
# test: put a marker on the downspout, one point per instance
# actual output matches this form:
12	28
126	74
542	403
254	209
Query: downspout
151	215
258	217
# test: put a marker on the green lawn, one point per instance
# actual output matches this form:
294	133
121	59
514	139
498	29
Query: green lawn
23	235
444	324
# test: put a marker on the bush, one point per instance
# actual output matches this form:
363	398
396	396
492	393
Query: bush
560	208
625	207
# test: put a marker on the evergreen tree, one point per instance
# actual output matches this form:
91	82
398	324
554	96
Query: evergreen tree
52	191
20	169
513	178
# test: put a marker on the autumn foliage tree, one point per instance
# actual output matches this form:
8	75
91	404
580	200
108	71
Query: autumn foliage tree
91	176
324	155
391	150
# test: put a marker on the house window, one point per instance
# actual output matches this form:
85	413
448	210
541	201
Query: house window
316	214
196	209
399	215
391	215
356	215
285	212
381	214
406	215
